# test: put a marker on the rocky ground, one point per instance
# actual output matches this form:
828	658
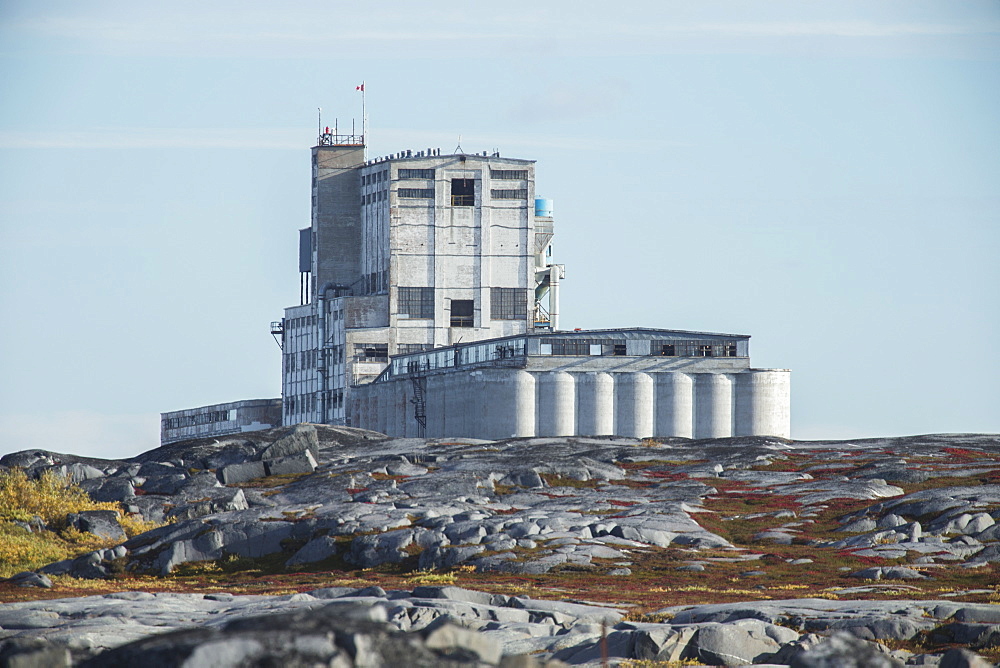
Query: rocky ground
725	552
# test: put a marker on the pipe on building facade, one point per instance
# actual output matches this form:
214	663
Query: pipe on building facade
556	271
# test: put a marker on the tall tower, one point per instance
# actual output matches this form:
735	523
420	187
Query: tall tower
410	252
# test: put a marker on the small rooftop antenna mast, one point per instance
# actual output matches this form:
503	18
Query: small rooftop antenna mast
458	149
364	120
319	121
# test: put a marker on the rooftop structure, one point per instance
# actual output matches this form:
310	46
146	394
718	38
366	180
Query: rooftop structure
235	417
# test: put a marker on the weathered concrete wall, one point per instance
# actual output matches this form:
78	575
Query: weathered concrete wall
336	214
499	403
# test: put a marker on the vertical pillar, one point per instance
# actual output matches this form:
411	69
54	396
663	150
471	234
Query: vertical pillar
763	403
524	414
595	404
674	404
634	404
713	405
556	403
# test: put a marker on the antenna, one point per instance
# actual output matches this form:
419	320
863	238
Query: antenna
364	120
319	121
458	149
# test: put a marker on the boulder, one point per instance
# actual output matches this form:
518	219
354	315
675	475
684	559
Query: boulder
301	462
315	550
237	473
843	650
963	658
302	437
739	643
30	579
221	500
103	523
331	635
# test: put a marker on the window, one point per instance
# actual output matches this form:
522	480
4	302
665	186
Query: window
668	350
577	347
407	348
462	312
416	173
463	192
416	193
371	352
704	351
508	304
620	349
509	194
729	350
509	174
416	302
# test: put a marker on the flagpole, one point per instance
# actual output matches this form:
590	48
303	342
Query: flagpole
364	121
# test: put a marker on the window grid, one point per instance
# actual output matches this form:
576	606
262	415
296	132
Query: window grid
416	173
416	193
509	194
509	174
416	302
508	304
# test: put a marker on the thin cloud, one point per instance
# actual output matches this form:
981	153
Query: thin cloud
831	29
208	30
145	138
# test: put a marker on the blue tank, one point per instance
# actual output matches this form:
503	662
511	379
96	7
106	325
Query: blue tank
543	207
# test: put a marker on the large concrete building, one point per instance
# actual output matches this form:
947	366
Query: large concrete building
408	253
430	307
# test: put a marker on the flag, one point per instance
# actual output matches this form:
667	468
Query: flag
360	88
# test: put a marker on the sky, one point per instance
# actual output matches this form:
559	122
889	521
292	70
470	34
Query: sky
824	176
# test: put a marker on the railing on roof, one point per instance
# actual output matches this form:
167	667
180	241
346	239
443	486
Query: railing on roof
473	355
331	139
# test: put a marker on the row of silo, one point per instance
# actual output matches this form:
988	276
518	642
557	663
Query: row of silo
501	403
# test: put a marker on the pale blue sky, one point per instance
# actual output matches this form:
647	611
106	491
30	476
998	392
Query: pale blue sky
824	176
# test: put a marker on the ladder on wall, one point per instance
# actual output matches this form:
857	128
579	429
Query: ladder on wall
419	401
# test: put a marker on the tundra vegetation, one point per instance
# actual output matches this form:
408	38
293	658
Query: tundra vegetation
654	528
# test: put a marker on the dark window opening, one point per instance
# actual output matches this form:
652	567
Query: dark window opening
620	349
668	350
371	352
705	351
461	312
729	350
463	192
